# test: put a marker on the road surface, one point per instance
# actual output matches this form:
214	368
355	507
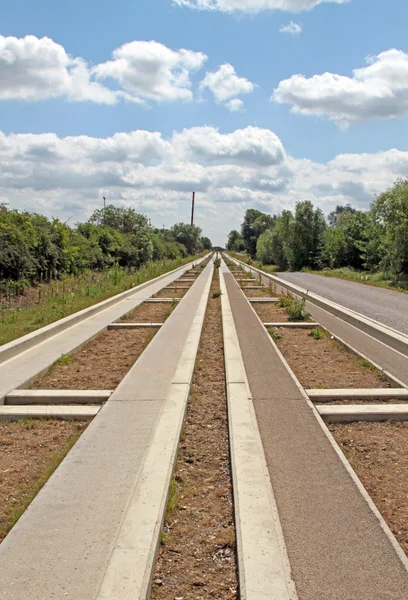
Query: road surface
386	306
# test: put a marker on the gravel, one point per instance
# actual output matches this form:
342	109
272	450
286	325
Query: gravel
386	306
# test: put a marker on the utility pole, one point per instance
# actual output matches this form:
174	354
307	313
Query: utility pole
192	210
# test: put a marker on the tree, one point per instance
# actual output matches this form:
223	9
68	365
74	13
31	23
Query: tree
206	243
249	236
188	235
342	241
125	220
305	236
235	241
390	212
274	245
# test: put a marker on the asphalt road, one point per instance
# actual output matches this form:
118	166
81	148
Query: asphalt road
386	306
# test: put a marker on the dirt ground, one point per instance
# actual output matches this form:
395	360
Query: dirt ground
197	556
165	293
270	313
326	364
149	313
101	364
378	452
28	450
262	293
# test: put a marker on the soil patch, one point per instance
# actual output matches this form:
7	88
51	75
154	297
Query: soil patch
325	363
197	556
29	452
164	293
149	313
378	452
100	365
270	313
262	293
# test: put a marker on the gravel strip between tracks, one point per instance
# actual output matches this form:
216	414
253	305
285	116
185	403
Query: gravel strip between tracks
197	556
325	363
378	452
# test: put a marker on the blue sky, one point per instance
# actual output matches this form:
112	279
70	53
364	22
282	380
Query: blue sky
266	131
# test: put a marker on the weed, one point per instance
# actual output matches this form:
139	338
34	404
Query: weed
296	310
217	263
65	359
316	334
217	293
275	335
172	500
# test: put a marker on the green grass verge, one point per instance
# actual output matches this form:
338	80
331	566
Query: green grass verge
18	321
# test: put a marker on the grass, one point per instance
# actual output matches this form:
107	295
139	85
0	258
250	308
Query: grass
172	500
27	496
274	335
65	359
245	258
316	334
379	279
61	299
295	307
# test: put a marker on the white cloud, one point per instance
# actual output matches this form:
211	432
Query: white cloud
251	146
254	6
247	168
234	105
151	71
35	69
292	28
226	86
377	91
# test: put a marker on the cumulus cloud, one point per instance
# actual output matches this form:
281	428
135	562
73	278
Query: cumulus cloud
376	91
35	69
226	86
251	146
254	6
247	168
151	71
292	28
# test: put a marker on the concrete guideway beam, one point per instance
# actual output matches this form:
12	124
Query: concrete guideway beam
349	413
263	565
293	325
328	395
391	337
113	326
21	344
93	530
15	413
32	355
25	397
338	544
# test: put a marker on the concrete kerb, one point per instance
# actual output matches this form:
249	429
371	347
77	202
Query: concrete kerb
264	570
15	347
350	413
131	568
388	336
400	553
26	397
15	413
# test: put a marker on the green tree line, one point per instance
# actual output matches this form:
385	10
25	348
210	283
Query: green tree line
375	240
34	248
